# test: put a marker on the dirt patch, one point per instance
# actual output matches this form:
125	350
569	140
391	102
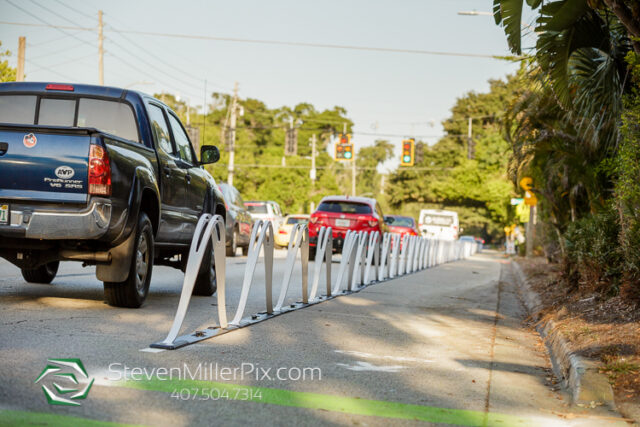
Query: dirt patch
601	327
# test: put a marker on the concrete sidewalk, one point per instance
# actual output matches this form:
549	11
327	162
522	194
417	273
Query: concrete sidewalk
444	345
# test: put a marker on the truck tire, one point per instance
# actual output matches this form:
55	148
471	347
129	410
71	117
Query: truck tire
233	245
312	253
132	292
245	250
206	282
43	274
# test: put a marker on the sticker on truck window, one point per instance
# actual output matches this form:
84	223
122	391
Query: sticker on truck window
30	140
4	214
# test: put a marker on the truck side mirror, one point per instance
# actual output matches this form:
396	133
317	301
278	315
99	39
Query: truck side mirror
209	154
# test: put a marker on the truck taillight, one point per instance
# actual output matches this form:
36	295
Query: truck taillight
99	171
372	222
313	219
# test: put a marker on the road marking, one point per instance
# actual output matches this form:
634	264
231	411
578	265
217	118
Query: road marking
366	366
336	403
377	356
23	418
152	350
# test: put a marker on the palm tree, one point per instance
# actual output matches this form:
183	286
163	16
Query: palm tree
582	51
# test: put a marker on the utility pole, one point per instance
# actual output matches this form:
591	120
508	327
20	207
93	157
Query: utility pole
312	172
100	50
470	154
22	42
232	120
204	112
530	231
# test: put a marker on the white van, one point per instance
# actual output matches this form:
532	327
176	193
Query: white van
439	224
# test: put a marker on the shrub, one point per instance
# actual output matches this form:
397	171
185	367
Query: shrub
594	257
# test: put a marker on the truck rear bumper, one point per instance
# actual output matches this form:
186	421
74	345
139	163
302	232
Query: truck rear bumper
90	223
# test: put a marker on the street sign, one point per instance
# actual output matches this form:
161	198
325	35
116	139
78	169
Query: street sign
530	199
526	183
515	201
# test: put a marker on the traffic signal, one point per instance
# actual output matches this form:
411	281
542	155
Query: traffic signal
345	138
344	152
291	142
408	152
419	152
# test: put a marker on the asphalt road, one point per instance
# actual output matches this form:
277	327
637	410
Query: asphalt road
445	345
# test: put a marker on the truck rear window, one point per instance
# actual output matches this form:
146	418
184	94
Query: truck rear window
112	117
345	207
18	109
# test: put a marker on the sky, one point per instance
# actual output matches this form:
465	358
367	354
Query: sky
388	95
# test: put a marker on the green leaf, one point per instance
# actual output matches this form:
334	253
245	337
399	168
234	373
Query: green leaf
511	14
566	13
497	12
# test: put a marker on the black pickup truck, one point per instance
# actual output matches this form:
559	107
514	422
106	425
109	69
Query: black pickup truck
101	175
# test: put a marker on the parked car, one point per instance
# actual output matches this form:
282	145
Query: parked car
477	240
238	222
283	235
401	225
266	210
439	224
343	213
104	176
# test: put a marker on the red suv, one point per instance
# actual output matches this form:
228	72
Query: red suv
343	213
402	225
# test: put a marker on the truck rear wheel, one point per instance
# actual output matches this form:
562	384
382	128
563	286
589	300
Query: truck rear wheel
133	291
206	282
43	274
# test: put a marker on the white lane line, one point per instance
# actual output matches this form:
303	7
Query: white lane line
379	356
152	350
366	366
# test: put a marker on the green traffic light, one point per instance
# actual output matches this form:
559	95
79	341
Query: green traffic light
347	155
406	159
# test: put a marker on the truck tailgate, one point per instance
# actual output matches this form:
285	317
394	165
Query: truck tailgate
44	165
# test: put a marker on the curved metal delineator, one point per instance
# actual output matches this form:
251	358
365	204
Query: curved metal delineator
364	256
324	253
261	237
208	228
299	241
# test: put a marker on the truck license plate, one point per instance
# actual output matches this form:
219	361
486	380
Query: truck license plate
342	222
4	214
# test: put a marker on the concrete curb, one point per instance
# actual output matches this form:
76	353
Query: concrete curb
580	375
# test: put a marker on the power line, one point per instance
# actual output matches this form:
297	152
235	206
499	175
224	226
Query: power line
59	28
55	52
49	70
128	64
31	24
277	42
86	15
63	63
53	12
153	66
